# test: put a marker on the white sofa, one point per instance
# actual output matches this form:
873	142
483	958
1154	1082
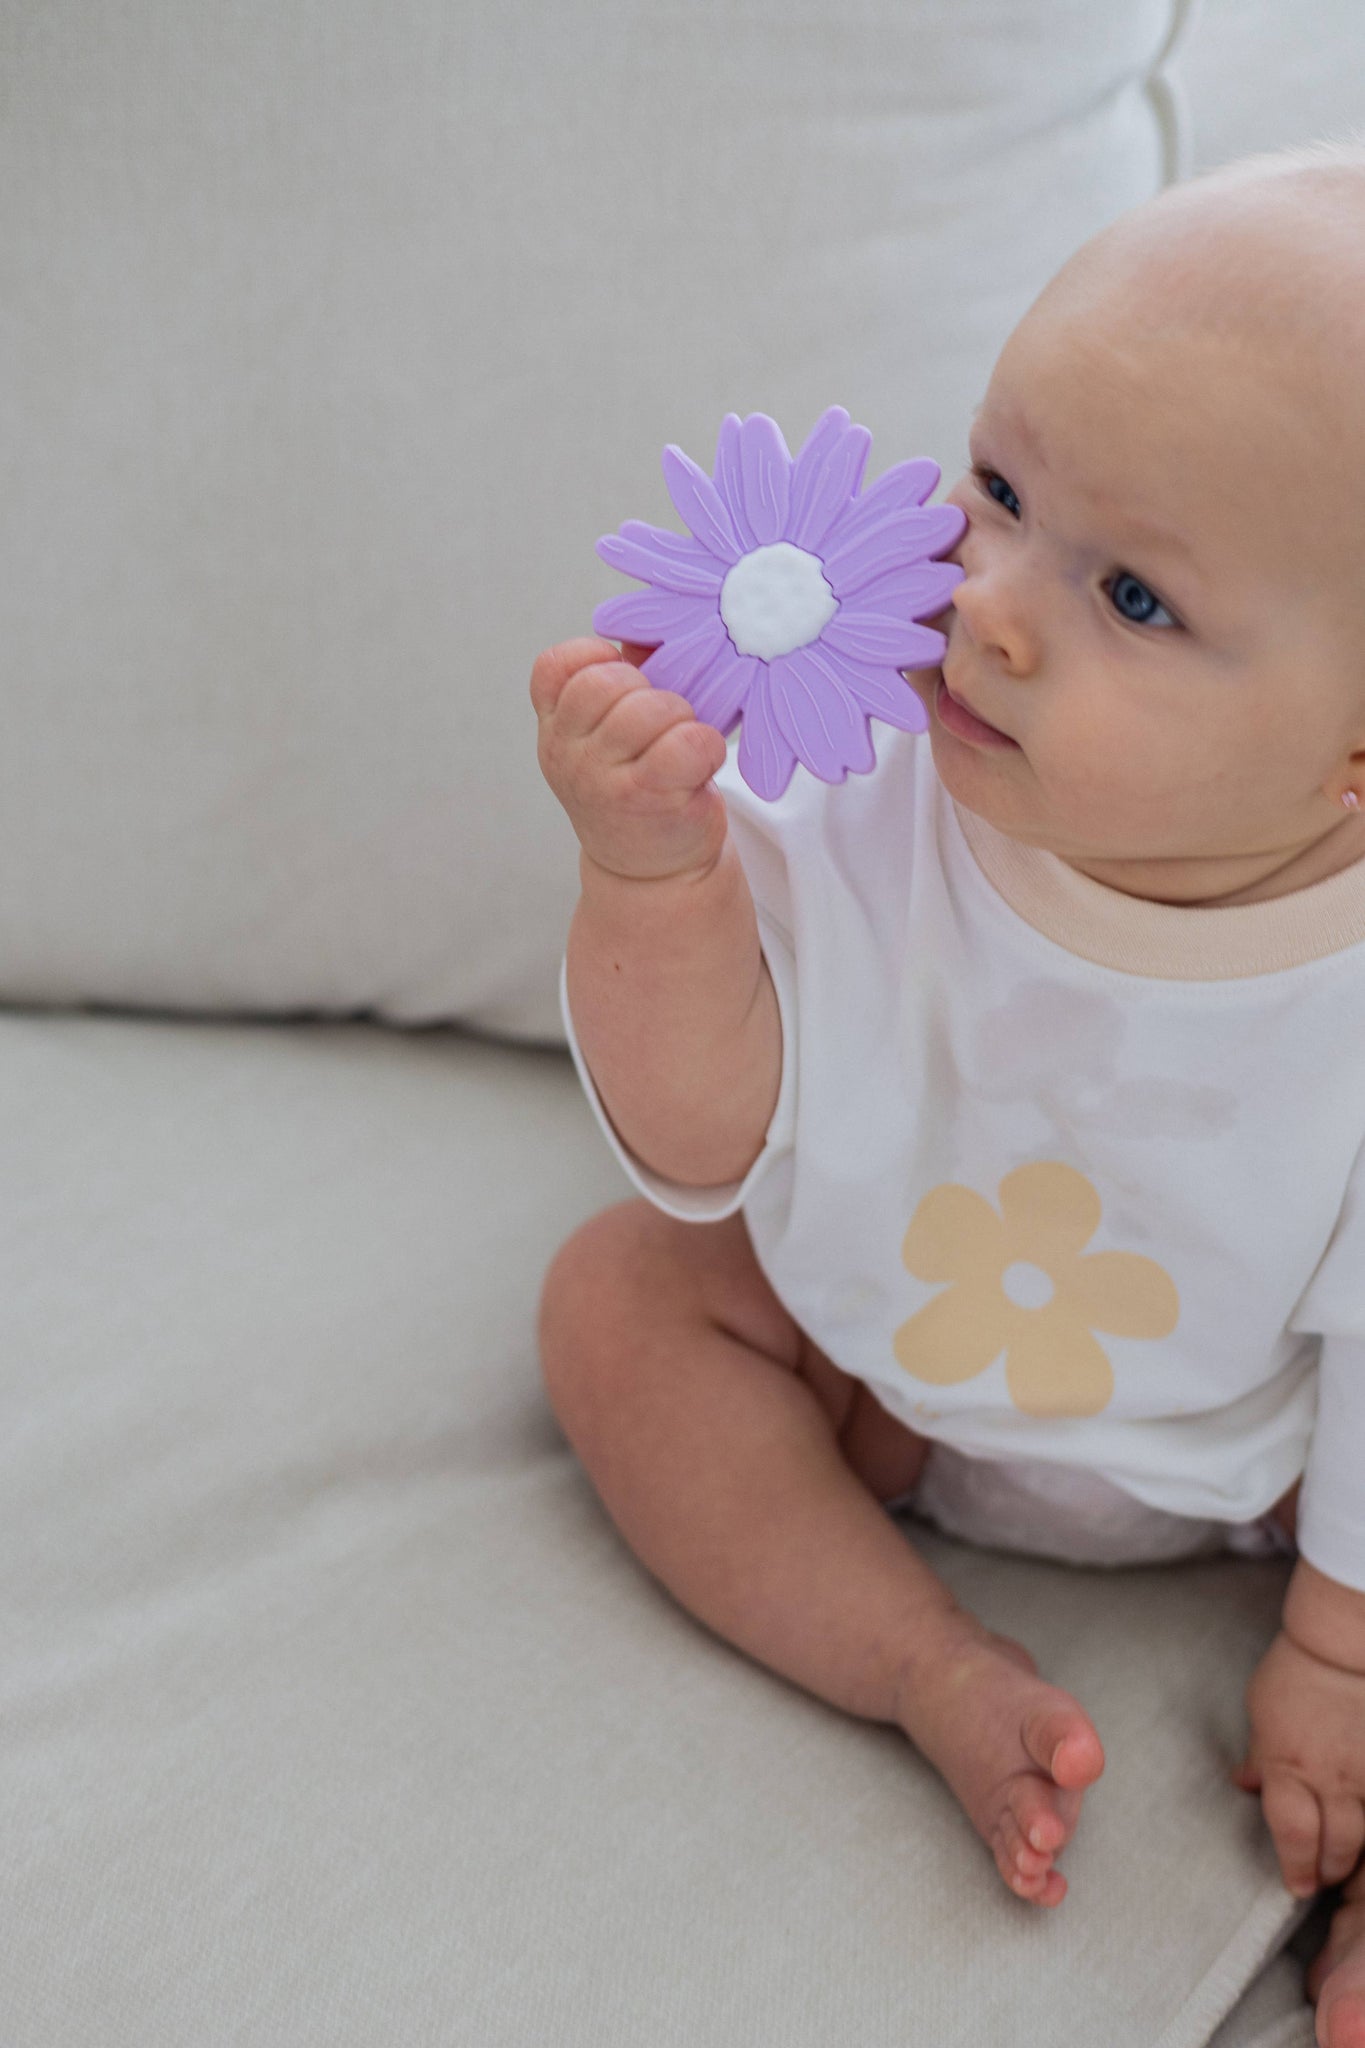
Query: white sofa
335	1714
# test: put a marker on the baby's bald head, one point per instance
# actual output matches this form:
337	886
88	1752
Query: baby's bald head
1267	253
1260	263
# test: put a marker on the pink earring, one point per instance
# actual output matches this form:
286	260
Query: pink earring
1350	800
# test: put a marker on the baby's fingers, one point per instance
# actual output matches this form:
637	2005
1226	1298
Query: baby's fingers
555	666
1295	1821
685	759
656	739
1343	1838
685	755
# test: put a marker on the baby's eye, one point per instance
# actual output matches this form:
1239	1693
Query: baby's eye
1135	602
988	479
1131	599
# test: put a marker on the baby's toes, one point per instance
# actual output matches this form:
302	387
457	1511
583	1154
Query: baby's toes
1044	1815
1028	1873
1015	1857
1024	1883
1036	1812
1062	1741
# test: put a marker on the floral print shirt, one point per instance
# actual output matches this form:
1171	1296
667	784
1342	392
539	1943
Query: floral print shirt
1060	1173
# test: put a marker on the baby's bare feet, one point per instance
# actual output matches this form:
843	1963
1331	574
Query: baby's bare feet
1017	1752
1336	1980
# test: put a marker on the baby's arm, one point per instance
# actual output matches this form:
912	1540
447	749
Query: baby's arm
1306	1755
673	1006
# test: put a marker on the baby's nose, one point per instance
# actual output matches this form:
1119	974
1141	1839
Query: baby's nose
999	617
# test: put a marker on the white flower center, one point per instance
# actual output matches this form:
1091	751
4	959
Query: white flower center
776	600
1027	1286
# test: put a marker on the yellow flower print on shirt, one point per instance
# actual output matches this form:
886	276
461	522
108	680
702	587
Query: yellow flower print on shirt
1021	1283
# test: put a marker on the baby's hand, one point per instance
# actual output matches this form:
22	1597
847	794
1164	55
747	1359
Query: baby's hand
1306	1758
631	765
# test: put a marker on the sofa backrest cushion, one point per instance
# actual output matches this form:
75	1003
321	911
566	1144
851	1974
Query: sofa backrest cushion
331	341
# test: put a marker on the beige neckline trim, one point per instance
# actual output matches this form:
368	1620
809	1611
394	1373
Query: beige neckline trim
1162	939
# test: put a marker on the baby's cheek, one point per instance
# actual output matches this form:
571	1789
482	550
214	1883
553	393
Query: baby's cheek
1109	777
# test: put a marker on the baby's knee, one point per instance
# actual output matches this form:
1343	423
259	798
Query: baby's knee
585	1301
633	1289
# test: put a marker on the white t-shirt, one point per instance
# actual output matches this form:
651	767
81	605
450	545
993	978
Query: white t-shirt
1061	1174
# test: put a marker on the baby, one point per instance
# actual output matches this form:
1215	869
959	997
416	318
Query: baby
1000	1112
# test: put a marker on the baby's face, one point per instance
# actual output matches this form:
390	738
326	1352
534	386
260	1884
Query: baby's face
1164	600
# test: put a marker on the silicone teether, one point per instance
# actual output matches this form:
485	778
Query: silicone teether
791	602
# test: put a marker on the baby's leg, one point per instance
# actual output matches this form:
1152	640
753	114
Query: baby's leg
746	1471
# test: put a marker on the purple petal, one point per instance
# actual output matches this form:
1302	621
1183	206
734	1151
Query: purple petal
767	470
914	590
682	546
929	589
683	660
720	696
932	647
886	593
700	505
766	761
652	615
815	451
730	479
900	539
826	474
872	636
825	435
672	561
870	510
818	717
904	484
885	695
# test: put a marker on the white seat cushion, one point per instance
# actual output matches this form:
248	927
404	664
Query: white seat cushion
335	1712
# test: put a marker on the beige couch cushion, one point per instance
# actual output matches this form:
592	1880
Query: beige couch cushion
336	1714
332	340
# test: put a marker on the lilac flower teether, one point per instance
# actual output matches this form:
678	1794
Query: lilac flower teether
791	602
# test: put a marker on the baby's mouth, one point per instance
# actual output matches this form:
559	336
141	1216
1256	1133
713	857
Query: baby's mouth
963	722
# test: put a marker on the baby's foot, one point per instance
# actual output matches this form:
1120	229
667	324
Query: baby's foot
1336	1980
1017	1752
